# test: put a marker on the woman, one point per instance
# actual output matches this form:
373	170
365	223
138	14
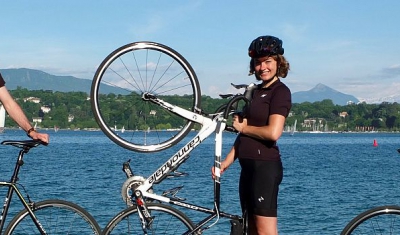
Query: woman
260	128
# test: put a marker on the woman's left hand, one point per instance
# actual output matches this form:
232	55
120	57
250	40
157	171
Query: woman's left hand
239	123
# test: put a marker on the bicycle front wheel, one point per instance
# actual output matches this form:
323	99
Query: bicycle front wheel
167	220
382	220
56	217
116	96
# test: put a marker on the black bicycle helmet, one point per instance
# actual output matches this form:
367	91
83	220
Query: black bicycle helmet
265	46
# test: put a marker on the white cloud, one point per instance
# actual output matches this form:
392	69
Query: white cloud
391	71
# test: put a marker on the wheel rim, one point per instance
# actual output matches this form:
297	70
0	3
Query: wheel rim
385	220
134	69
166	221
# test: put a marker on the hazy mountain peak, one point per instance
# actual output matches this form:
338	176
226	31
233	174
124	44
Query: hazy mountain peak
321	92
322	88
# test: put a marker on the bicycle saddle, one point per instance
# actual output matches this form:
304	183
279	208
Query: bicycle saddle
23	143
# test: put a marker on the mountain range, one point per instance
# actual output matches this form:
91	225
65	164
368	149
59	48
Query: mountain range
38	80
32	79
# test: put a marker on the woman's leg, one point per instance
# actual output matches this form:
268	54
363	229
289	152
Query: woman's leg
266	225
266	180
258	187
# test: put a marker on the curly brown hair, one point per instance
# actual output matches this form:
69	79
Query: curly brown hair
283	66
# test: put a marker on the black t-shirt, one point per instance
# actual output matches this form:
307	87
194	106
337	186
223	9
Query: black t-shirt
2	82
276	99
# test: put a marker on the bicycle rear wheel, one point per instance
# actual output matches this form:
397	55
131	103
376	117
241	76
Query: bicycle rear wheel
382	220
56	217
167	220
116	96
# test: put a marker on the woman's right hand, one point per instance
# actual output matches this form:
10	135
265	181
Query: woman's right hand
230	158
224	166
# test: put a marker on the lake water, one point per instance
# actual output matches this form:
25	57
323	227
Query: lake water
328	178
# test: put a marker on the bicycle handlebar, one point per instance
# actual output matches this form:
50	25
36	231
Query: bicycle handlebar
232	103
246	96
231	129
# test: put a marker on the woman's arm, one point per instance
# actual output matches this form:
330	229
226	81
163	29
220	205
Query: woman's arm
272	131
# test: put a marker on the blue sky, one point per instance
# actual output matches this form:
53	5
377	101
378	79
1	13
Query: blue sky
351	46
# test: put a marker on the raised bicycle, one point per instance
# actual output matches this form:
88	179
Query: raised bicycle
383	220
148	212
44	217
152	75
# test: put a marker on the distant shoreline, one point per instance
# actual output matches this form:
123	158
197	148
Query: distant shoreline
171	130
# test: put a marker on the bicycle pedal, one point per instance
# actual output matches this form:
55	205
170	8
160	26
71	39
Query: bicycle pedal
236	227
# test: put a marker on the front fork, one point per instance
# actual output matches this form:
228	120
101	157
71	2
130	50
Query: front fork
144	214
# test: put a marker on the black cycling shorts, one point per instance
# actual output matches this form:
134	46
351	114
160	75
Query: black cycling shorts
259	186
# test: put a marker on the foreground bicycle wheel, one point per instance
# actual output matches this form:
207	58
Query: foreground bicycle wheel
167	220
57	218
382	220
116	96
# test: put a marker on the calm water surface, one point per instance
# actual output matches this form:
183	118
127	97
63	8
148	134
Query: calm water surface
328	178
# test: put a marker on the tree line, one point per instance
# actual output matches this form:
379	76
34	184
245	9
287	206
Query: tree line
120	109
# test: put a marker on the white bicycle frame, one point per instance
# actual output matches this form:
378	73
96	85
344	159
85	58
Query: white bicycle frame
209	125
215	123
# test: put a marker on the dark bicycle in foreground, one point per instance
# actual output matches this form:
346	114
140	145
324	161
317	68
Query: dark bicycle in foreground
55	217
383	220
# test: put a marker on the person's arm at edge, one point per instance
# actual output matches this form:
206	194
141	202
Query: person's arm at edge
16	113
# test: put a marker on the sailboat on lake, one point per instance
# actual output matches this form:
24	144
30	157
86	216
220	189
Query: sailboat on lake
293	129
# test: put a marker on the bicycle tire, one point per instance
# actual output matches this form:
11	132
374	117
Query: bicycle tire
56	217
379	220
132	70
167	220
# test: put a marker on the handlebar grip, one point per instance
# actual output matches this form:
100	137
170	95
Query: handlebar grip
232	102
248	93
231	129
